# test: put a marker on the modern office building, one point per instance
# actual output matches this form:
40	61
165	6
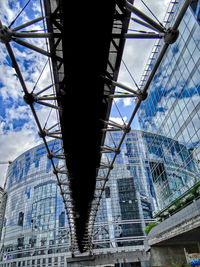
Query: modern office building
144	179
172	108
129	199
35	229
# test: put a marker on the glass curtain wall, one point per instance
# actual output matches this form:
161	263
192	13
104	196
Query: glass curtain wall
35	224
35	227
145	179
172	108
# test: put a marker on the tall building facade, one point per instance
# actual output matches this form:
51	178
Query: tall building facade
144	179
129	198
35	229
172	108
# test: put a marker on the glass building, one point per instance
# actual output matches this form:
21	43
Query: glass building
172	108
35	228
145	179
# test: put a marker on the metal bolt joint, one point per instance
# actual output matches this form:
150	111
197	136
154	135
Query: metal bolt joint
127	129
142	95
56	172
111	167
5	34
49	156
171	36
29	98
42	134
117	151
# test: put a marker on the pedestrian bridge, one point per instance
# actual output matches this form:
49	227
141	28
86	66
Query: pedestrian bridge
112	256
85	42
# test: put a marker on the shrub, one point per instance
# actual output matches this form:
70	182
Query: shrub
178	203
189	197
149	227
194	191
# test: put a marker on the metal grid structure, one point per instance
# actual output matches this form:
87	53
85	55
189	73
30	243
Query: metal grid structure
81	224
181	106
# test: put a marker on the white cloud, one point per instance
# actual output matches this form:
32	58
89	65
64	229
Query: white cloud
6	13
119	120
14	142
47	116
128	101
18	113
16	139
137	51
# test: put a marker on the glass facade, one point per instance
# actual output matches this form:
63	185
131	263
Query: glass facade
145	179
129	199
172	108
35	229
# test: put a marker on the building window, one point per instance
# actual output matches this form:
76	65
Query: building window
107	192
194	5
20	242
62	219
21	219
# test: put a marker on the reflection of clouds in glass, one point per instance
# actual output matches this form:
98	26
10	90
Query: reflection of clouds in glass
173	94
173	110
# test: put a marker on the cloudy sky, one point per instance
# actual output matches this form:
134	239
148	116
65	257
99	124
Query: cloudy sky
18	131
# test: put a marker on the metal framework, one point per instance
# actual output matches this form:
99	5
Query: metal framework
55	34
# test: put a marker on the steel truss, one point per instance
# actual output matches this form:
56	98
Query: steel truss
169	36
8	34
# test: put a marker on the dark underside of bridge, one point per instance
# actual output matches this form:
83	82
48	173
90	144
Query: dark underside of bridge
89	53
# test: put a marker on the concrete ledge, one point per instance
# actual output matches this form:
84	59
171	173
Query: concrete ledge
106	259
179	223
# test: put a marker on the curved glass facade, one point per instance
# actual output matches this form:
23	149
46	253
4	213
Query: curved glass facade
35	222
35	230
145	178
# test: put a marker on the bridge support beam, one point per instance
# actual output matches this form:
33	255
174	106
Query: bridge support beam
169	255
138	257
168	241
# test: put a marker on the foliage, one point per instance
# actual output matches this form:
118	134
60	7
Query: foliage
194	191
180	203
149	227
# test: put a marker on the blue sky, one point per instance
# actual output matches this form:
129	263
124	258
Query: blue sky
18	131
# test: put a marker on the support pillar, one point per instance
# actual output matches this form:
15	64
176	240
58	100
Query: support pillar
167	255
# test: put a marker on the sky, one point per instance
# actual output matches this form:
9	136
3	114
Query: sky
18	131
